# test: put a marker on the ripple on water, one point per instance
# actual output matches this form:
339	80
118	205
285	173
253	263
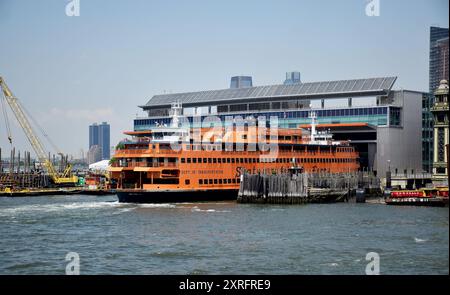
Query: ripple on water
207	238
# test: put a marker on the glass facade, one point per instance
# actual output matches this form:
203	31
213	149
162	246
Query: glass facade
292	78
436	57
99	135
241	82
427	132
291	119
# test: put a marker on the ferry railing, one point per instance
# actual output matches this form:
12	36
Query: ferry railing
132	152
149	165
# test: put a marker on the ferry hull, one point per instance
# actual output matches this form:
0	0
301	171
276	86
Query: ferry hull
143	196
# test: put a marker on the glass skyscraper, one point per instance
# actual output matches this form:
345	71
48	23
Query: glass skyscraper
241	82
292	78
438	57
99	135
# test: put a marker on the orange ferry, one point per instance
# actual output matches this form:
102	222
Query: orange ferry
147	169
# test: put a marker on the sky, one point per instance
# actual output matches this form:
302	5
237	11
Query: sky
70	72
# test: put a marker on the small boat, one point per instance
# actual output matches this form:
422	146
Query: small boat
435	197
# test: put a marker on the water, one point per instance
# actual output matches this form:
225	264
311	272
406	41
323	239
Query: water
218	238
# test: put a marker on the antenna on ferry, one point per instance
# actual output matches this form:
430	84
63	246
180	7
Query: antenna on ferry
175	112
313	116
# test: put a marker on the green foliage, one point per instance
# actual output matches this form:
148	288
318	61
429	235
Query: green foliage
112	161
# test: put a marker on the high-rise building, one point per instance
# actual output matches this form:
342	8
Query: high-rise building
99	135
438	57
440	113
94	154
427	132
438	71
292	78
241	82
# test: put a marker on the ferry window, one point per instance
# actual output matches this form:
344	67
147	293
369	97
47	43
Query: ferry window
232	160
199	160
188	160
229	180
215	181
220	181
187	181
254	160
204	160
194	160
238	180
228	160
245	160
210	181
214	160
209	160
200	181
183	160
219	160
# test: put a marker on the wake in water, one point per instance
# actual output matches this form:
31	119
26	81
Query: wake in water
57	207
196	209
417	240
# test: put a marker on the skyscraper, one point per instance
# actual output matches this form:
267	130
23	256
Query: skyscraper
292	78
241	82
99	135
438	57
438	70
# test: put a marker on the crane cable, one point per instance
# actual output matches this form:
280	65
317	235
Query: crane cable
5	115
40	129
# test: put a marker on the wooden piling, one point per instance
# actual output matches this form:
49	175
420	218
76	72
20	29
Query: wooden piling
299	188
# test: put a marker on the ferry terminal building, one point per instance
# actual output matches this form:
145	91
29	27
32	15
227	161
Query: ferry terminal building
383	124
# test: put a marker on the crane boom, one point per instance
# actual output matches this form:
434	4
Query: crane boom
32	137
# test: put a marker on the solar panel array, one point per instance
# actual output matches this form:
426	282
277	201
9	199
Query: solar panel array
303	89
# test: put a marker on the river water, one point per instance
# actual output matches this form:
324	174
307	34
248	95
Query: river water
218	238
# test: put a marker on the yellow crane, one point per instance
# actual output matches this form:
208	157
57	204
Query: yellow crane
64	178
